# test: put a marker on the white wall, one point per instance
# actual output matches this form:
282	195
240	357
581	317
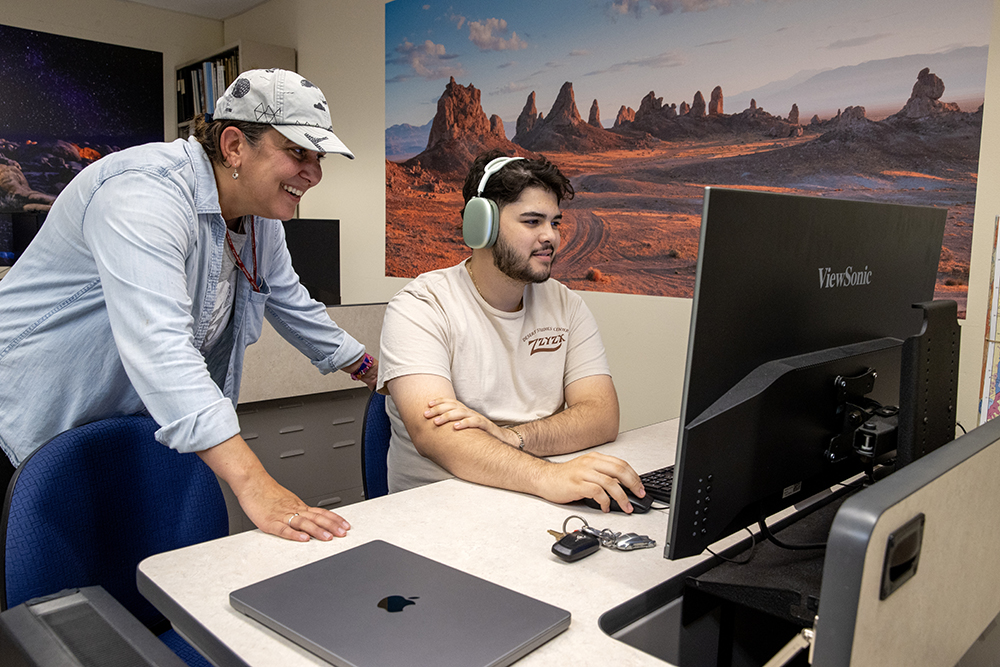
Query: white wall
341	47
983	233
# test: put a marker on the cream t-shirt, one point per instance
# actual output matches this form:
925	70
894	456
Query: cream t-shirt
510	367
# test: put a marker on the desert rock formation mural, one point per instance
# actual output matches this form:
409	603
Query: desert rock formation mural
633	226
879	101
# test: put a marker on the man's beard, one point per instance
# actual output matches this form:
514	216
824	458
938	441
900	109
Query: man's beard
519	268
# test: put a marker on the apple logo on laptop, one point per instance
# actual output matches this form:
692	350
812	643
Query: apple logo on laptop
394	603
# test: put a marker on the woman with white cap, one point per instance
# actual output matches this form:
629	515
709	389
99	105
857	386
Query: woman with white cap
153	272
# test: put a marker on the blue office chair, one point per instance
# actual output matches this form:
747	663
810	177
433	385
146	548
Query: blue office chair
85	508
375	432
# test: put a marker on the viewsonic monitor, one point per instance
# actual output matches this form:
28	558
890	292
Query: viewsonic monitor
791	293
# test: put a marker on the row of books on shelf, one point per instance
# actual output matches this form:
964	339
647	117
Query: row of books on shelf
199	86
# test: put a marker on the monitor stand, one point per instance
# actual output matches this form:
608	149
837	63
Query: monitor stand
781	582
755	608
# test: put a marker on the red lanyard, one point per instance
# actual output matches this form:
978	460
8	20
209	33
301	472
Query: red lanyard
239	262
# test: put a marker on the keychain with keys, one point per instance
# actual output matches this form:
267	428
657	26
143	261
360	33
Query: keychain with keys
632	541
576	545
620	541
585	541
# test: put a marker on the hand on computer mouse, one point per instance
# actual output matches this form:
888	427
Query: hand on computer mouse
639	505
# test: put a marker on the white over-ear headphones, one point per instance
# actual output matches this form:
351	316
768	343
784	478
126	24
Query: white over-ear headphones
481	220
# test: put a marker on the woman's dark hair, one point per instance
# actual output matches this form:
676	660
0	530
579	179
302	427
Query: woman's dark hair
209	134
506	185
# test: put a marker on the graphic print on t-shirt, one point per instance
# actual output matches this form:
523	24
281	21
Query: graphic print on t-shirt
546	339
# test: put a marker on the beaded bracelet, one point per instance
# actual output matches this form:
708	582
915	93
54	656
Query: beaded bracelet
366	363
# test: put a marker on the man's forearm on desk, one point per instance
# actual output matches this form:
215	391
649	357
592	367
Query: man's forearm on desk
472	454
475	455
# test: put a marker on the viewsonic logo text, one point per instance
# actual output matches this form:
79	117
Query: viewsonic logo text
849	277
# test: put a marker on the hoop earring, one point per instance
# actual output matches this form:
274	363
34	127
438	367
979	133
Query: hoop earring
236	175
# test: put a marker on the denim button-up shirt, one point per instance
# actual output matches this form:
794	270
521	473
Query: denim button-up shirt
106	311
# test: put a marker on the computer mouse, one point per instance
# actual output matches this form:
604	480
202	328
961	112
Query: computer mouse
639	505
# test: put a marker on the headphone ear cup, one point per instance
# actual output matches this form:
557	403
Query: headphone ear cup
480	223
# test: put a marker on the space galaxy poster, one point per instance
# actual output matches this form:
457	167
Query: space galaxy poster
65	103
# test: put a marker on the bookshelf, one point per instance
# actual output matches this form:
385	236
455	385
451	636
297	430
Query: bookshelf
216	71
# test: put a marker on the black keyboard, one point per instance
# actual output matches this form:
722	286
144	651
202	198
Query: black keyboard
658	483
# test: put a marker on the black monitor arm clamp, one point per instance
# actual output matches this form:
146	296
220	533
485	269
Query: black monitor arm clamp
928	390
867	428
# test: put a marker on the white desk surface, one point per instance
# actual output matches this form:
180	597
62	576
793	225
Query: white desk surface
494	534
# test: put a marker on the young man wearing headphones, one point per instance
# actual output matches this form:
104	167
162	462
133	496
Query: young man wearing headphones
490	365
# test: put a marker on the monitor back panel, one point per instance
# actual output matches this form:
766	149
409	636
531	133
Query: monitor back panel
783	275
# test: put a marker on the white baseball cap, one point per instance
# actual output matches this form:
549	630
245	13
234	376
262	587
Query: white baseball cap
287	102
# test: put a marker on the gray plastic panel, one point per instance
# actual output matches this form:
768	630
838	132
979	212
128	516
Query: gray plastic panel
935	617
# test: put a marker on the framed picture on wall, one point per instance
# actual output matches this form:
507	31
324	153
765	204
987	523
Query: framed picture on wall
644	103
65	103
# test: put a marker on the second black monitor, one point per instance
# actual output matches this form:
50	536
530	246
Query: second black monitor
791	291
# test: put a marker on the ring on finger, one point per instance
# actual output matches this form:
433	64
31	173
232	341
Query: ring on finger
290	519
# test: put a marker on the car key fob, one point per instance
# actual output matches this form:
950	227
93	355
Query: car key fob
576	545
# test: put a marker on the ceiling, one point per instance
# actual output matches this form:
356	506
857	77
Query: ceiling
211	9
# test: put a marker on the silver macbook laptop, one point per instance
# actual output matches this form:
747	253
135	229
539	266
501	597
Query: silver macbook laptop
378	604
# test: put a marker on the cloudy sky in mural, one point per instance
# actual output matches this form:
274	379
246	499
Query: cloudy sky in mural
617	51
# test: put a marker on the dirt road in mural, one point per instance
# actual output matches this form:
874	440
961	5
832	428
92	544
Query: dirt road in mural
626	233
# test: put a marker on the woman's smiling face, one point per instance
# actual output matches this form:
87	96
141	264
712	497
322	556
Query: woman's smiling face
275	174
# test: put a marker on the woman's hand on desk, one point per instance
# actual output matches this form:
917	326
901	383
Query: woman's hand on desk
273	508
592	475
276	510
